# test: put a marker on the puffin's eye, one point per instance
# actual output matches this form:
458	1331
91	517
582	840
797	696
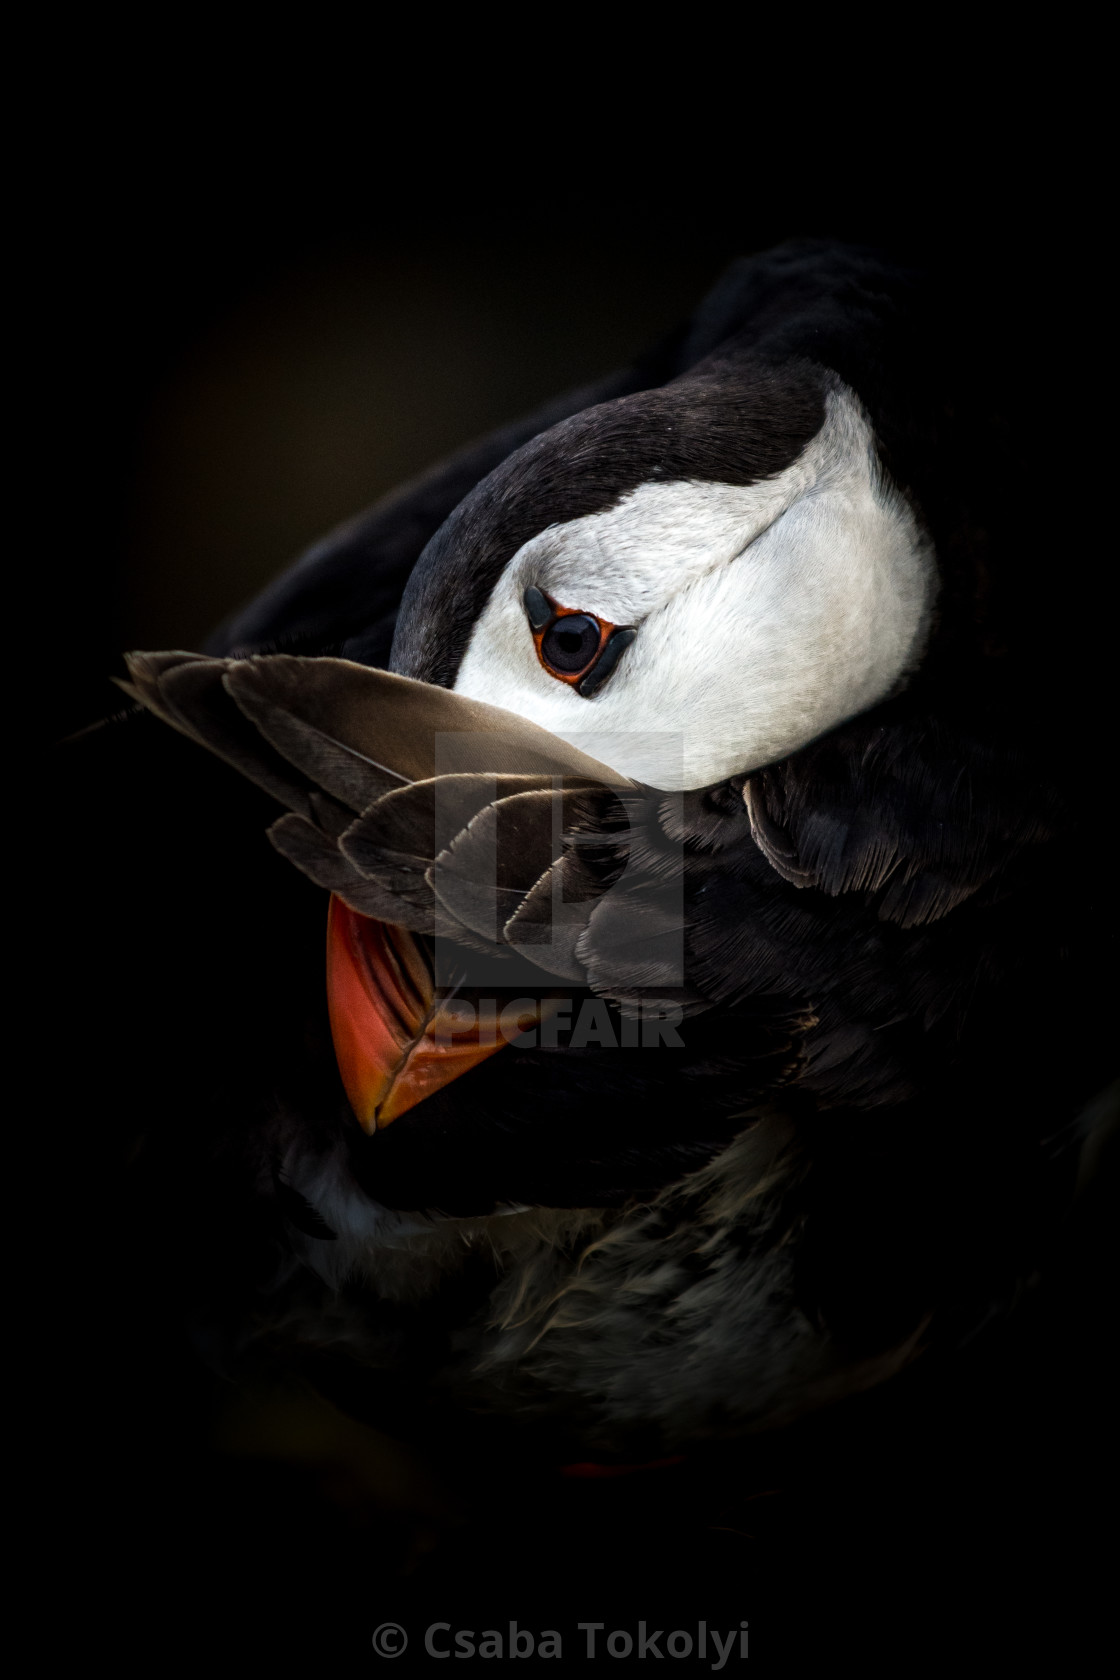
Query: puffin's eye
574	647
571	643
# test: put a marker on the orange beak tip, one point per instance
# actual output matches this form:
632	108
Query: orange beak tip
395	1041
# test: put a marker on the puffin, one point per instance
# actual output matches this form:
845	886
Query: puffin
687	786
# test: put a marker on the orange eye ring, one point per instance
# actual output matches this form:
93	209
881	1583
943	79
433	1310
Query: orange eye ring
545	614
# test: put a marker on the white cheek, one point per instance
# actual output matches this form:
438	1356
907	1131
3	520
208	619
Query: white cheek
813	624
743	654
628	563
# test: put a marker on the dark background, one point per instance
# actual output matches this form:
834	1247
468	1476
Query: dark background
245	321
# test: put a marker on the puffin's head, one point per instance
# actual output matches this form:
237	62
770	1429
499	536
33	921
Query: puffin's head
688	583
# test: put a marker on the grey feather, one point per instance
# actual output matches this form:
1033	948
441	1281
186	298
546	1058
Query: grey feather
317	856
421	820
410	729
186	690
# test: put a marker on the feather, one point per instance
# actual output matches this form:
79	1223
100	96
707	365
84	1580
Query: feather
186	690
320	859
483	876
412	730
419	821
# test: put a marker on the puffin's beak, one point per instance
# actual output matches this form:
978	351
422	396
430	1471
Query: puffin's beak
397	1041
